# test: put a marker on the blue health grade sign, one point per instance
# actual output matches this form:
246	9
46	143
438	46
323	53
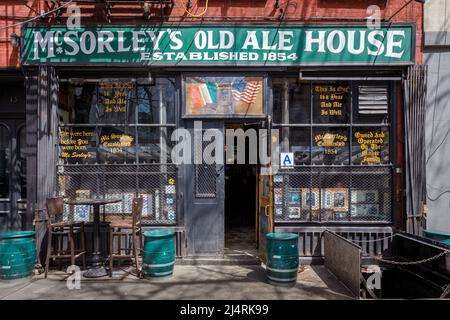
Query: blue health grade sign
236	45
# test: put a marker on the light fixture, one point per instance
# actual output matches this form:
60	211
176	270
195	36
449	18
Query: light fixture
14	40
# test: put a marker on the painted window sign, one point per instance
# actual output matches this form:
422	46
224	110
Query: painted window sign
234	45
224	95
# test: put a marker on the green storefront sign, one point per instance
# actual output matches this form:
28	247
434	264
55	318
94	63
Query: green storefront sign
205	45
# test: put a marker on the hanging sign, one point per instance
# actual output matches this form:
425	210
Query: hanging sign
206	45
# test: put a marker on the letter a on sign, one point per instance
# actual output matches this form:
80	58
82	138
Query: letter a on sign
287	159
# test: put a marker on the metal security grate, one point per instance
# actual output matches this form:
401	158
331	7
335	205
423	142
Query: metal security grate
333	194
156	183
205	181
205	176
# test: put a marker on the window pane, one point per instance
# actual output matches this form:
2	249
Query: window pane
224	96
116	101
298	106
156	104
117	145
331	102
330	146
81	106
154	145
296	140
5	154
370	145
78	145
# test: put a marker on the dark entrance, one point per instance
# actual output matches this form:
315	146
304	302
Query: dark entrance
240	201
13	156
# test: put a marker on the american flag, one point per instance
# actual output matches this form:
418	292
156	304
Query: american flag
249	92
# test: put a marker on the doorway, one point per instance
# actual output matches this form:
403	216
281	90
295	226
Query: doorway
12	174
240	200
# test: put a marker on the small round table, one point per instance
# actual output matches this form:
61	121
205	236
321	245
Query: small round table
96	270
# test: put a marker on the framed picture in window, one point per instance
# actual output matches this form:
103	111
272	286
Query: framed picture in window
310	198
294	212
365	210
364	196
327	199
295	197
340	199
278	196
278	211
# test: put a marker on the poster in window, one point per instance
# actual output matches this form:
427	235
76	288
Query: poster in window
294	212
278	196
327	199
340	199
364	196
295	197
365	210
278	211
310	198
224	96
82	213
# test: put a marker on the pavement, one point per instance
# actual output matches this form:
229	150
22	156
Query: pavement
189	282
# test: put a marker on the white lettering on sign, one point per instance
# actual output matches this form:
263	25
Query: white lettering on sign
223	45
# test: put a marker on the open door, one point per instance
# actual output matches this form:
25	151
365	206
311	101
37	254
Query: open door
264	207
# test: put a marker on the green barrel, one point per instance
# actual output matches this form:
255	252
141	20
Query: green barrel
17	255
159	254
282	258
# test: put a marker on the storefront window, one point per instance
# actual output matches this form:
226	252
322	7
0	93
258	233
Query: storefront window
342	169
116	113
330	146
114	142
296	140
156	104
370	146
291	101
331	102
224	96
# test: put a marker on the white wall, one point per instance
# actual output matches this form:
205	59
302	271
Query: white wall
437	125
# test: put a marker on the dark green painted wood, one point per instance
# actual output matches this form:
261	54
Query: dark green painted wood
159	253
282	258
17	255
440	236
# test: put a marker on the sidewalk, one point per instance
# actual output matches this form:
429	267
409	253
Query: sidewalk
188	282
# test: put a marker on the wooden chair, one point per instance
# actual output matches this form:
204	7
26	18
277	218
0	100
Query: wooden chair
58	228
124	228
